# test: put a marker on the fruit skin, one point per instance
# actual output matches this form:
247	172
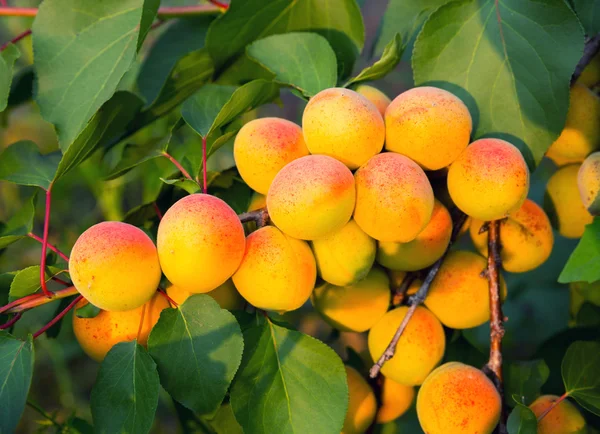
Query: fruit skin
362	405
419	349
588	181
263	146
457	399
226	295
257	201
356	307
396	399
526	238
98	335
115	266
565	418
345	256
489	180
343	124
590	76
394	200
278	272
200	243
563	203
376	96
312	197
424	250
426	117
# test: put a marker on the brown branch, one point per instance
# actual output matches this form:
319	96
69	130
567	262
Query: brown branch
592	47
260	217
399	292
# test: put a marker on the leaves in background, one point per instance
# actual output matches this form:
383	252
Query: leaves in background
589	15
7	60
22	163
87	311
27	281
522	421
581	374
20	224
389	59
201	111
524	380
584	263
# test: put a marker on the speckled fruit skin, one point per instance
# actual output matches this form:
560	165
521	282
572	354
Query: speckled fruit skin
200	243
362	405
563	203
312	197
429	125
343	124
97	335
419	349
377	97
588	181
489	180
424	250
396	399
394	200
226	295
458	399
278	272
565	418
345	256
115	266
356	307
263	146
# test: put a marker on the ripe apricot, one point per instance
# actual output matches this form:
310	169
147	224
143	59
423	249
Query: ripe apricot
590	76
257	201
394	200
526	238
263	146
565	418
419	349
362	405
226	295
396	399
312	197
115	266
278	272
343	124
98	335
200	243
376	96
457	399
423	251
588	181
429	125
489	180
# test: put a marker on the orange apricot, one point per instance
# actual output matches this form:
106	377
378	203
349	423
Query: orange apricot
226	295
396	399
588	181
362	405
564	418
376	96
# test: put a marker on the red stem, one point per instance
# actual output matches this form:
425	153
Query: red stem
35	300
15	39
158	211
50	246
204	182
3	3
20	301
179	166
47	293
62	282
219	4
164	294
554	404
58	317
12	321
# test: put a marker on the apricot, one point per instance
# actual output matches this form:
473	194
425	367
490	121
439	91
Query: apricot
115	266
376	96
97	335
396	399
429	125
356	307
526	238
419	349
394	200
277	273
489	180
588	181
226	295
565	418
424	250
312	197
263	146
200	243
456	399
563	203
343	124
590	76
257	201
345	256
362	405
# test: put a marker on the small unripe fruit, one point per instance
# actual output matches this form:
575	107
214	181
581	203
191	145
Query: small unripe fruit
362	405
226	295
588	181
376	96
565	418
396	399
115	266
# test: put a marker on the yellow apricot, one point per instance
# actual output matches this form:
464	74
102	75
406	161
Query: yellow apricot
278	272
355	307
590	76
489	180
343	124
394	200
526	238
429	125
588	181
97	335
263	146
362	405
458	399
115	266
419	349
563	203
257	201
396	399
226	295
200	243
565	418
345	256
312	197
423	251
376	96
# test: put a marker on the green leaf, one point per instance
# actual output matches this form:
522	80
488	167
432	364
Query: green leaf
125	395
522	421
82	49
524	381
149	11
87	311
388	61
20	224
22	163
27	281
304	61
507	62
588	291
581	374
589	15
186	184
584	263
224	422
198	348
16	369
7	60
288	383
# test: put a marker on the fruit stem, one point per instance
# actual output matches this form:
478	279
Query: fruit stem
592	47
204	178
47	293
11	322
158	211
139	332
34	300
50	246
44	414
165	295
15	39
399	293
163	13
554	404
58	317
260	217
178	165
219	4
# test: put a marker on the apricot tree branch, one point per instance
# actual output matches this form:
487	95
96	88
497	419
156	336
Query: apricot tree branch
592	47
15	39
399	292
57	317
260	217
178	165
50	246
11	322
35	300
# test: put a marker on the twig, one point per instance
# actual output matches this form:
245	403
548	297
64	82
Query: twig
47	293
219	4
44	414
50	246
178	165
163	13
11	322
204	171
169	299
15	39
58	317
399	293
260	217
554	404
36	300
592	47
159	213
